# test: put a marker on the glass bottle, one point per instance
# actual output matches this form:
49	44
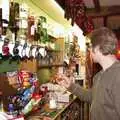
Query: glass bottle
52	100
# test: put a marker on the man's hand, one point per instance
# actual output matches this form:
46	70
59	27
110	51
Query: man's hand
64	81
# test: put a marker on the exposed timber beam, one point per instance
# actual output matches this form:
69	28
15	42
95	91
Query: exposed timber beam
105	11
97	5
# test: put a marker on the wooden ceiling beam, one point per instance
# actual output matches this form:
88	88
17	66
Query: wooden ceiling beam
97	5
105	11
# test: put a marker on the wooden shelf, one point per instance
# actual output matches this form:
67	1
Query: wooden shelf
49	66
52	50
52	38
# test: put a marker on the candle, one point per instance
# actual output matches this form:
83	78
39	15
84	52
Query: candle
52	104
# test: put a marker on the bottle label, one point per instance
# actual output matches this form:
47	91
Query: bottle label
32	30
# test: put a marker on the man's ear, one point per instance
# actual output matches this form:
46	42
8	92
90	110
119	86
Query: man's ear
97	49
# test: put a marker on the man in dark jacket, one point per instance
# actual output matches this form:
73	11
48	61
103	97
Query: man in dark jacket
104	96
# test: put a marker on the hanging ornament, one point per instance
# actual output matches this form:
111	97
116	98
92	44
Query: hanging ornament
24	56
16	56
14	18
31	28
30	53
5	49
75	10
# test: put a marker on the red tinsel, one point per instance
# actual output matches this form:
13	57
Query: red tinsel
75	10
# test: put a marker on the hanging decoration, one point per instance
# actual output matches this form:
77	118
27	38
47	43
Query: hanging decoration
42	30
31	28
13	18
5	49
86	24
75	10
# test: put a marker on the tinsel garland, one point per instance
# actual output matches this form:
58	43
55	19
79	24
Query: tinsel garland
75	10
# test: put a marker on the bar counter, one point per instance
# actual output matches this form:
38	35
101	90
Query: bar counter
45	113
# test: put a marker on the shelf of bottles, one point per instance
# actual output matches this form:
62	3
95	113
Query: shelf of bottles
24	37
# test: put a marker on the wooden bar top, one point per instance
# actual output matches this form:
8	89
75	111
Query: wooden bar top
45	113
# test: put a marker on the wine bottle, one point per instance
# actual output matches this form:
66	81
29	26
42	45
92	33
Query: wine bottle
31	28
